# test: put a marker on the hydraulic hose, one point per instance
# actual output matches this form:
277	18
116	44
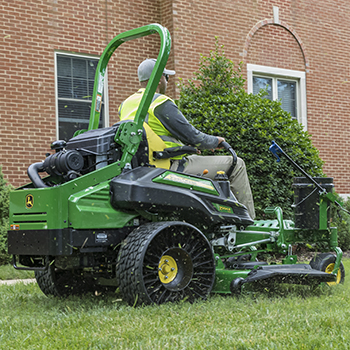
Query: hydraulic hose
33	173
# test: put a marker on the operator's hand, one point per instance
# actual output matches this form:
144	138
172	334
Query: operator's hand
221	139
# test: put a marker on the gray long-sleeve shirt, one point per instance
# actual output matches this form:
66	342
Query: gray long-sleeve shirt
175	122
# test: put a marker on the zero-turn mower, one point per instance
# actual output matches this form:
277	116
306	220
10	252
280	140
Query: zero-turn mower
111	214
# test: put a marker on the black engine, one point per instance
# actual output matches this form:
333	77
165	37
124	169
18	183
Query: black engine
82	154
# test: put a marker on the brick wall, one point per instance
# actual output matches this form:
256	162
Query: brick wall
313	37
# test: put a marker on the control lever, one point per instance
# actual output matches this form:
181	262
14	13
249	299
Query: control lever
228	147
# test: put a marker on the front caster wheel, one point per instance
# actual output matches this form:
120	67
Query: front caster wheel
165	262
236	286
325	262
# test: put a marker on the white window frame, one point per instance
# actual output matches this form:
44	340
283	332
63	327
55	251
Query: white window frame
105	90
285	74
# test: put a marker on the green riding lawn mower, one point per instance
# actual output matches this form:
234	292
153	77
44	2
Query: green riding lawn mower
110	214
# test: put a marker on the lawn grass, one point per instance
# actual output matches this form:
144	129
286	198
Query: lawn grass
8	272
289	318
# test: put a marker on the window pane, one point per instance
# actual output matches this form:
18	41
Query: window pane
92	64
73	116
64	66
90	88
287	94
64	87
262	84
79	68
80	89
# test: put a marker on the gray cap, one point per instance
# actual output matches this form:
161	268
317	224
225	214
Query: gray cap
146	67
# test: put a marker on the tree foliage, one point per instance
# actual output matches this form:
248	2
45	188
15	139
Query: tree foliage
216	103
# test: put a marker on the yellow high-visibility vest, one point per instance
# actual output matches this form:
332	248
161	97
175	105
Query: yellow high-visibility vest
128	108
158	138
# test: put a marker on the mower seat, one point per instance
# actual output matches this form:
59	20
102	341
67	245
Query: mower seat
153	151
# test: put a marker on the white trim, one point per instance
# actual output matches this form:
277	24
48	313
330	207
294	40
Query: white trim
345	196
105	99
283	73
105	92
56	96
276	19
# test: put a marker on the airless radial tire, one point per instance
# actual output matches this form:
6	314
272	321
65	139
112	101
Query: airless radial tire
165	262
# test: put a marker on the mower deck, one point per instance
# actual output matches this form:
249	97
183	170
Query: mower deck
294	274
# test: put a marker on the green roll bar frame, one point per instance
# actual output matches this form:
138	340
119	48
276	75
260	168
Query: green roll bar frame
129	134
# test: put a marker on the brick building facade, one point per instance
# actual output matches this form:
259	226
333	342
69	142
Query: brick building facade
300	43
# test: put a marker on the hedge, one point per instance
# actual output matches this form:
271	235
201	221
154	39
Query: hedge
216	103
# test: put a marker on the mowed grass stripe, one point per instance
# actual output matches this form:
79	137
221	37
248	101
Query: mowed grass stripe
287	318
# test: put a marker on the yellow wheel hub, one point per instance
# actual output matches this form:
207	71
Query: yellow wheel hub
329	269
167	269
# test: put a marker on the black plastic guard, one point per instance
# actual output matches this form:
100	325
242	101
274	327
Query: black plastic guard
64	241
293	274
40	242
135	190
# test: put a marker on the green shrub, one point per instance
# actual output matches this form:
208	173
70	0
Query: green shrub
216	103
4	215
341	220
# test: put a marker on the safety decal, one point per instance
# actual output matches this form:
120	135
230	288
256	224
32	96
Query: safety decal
98	103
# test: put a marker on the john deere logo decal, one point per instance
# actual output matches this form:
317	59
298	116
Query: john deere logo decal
29	201
223	209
